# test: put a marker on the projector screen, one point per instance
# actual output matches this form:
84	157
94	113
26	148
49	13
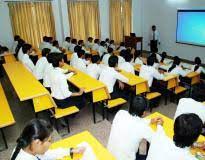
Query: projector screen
191	27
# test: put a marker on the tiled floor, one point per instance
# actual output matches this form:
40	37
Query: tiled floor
23	112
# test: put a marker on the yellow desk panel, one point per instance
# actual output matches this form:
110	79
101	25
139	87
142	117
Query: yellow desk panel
9	58
6	116
101	152
137	67
82	80
23	81
133	79
192	74
169	128
169	77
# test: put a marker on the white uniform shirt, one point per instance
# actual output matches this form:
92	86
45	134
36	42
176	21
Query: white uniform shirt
163	148
49	155
121	48
47	75
45	45
189	105
40	68
101	50
88	44
138	61
28	62
74	59
149	72
14	46
156	65
66	45
155	36
59	85
106	58
93	70
109	76
81	65
120	59
179	71
55	49
127	131
72	46
20	55
95	47
112	46
199	70
159	58
126	66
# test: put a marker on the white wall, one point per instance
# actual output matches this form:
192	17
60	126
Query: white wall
6	35
163	13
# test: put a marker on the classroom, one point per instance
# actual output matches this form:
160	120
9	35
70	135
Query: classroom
102	80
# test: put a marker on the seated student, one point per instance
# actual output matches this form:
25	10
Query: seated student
107	42
127	66
121	58
106	56
187	128
73	44
112	44
74	57
96	45
89	43
156	62
55	48
197	66
34	143
110	75
93	68
60	92
102	49
19	51
42	44
27	50
87	59
177	69
80	62
163	57
4	50
81	43
138	59
41	65
149	72
128	129
121	47
15	43
67	43
189	105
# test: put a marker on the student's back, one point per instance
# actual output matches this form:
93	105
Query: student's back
93	69
127	66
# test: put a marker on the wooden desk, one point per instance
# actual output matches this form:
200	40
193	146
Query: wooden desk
101	152
169	128
9	57
6	116
23	81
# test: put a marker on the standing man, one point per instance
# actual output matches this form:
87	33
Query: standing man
154	39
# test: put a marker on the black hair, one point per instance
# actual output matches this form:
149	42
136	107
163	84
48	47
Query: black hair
123	53
45	52
50	39
4	49
163	56
35	129
95	58
56	58
112	41
155	57
107	40
45	38
67	39
127	57
96	41
87	55
26	47
138	106
187	128
16	37
77	48
21	42
153	26
109	50
113	61
197	62
55	43
49	57
122	44
80	42
176	62
80	53
90	38
150	61
74	41
102	43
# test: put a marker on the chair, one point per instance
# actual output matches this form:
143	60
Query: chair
102	96
46	102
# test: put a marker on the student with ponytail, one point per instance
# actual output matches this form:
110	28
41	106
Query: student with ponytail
197	65
34	142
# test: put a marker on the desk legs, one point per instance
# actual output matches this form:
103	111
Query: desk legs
4	138
94	118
